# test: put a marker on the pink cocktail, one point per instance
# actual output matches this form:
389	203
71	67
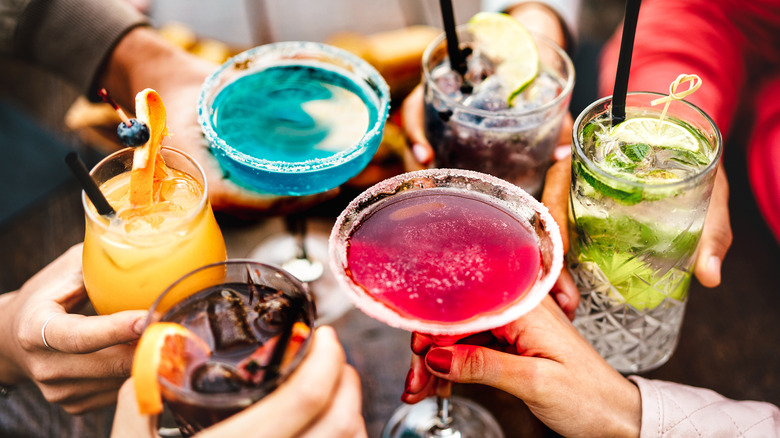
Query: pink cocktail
446	253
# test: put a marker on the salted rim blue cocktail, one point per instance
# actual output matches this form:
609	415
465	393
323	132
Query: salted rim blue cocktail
261	169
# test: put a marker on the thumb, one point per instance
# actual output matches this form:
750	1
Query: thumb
474	364
128	421
716	236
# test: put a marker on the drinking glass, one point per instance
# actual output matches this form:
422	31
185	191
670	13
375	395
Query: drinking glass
634	238
251	316
476	130
446	253
129	259
295	118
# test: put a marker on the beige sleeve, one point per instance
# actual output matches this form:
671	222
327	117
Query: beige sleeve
70	38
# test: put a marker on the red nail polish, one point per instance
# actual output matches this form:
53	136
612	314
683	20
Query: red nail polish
439	360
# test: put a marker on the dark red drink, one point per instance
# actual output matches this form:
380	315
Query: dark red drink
256	335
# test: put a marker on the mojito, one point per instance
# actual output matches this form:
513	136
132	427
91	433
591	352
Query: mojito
639	195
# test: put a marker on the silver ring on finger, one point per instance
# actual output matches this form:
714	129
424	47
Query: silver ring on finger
43	332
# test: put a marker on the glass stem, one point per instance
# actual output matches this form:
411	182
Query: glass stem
443	412
301	266
296	225
443	426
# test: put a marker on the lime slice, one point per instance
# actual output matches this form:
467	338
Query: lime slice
510	46
646	130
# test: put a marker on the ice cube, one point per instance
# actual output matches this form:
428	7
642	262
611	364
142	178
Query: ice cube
448	81
216	378
479	69
490	95
228	321
275	312
544	89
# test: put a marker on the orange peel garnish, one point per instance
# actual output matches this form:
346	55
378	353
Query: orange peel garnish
164	349
147	161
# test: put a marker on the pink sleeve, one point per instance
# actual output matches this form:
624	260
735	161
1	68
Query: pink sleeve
672	409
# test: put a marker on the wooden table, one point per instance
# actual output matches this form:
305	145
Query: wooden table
729	340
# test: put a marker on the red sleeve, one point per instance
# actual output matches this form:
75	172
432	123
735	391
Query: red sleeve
676	37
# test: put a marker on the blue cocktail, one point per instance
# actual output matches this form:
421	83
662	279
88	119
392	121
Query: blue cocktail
294	118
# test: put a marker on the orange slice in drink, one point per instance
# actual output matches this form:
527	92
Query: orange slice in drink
147	161
164	349
300	332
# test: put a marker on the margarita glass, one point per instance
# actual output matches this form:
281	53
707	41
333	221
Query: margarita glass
445	253
291	119
130	258
255	319
639	196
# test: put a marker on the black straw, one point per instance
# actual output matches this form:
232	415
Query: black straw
457	60
90	187
624	61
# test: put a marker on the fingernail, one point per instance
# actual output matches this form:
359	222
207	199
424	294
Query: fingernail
713	264
440	360
561	151
408	380
138	326
420	153
562	299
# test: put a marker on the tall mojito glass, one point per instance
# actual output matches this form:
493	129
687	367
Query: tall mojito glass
639	195
480	121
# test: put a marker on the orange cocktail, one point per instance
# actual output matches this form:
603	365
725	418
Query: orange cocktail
131	258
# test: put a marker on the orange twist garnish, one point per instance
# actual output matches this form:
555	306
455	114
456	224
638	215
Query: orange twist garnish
147	161
695	82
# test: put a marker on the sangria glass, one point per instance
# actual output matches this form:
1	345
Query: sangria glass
256	320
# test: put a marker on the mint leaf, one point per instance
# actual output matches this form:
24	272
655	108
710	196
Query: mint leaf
635	151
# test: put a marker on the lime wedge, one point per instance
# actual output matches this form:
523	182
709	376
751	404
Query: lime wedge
646	130
510	46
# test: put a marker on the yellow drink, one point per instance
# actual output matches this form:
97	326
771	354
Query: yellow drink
129	260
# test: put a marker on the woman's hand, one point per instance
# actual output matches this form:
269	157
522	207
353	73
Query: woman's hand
716	236
88	357
543	360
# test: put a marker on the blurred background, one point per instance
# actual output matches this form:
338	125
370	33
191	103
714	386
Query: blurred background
38	126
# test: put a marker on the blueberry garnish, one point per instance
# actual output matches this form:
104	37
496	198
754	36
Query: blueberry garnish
137	134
